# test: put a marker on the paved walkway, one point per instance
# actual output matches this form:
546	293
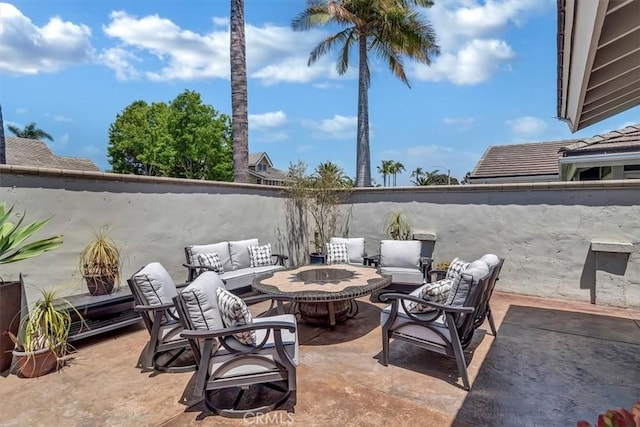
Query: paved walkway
552	363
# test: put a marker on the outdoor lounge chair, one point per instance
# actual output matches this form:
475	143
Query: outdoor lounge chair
153	290
402	260
226	361
446	328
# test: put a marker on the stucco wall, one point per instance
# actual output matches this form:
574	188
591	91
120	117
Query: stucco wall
543	230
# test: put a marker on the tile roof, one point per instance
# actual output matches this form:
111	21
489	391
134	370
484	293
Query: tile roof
626	139
538	158
255	157
35	153
271	173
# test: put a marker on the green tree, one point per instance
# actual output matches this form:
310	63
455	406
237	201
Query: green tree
238	63
385	170
391	29
417	174
185	139
435	178
30	131
396	168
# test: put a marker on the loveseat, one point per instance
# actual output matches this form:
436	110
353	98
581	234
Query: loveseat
236	262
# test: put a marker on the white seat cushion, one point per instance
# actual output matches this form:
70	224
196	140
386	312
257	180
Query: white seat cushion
355	246
405	326
400	253
407	276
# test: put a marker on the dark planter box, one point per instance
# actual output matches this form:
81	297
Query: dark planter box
316	258
10	309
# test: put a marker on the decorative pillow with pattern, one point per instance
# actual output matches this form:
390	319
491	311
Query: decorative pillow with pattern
455	268
234	312
337	253
260	255
436	292
210	259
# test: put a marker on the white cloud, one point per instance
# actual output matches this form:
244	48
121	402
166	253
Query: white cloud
526	126
274	53
273	136
337	127
119	60
28	49
59	118
269	120
427	150
470	36
473	64
461	123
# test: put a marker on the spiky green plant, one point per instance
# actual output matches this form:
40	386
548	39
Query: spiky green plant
101	257
397	227
46	326
12	236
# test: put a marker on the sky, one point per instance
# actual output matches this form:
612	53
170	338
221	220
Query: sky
72	65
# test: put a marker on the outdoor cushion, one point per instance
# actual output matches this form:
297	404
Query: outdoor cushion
210	259
222	249
260	255
491	260
400	253
201	301
408	276
156	284
337	253
239	251
234	312
469	278
235	279
404	325
455	268
436	292
356	248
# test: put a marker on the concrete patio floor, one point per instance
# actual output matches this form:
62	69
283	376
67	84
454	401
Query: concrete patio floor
552	363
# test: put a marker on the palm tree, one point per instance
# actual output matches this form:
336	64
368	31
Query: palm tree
3	146
392	29
240	120
30	131
417	173
385	170
396	168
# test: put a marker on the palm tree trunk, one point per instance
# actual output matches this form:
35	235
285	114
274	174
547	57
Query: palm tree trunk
240	121
3	145
363	158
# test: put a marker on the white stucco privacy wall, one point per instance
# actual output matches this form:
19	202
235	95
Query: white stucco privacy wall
543	230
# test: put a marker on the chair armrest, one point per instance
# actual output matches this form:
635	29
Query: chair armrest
371	260
280	259
159	307
225	332
182	285
394	297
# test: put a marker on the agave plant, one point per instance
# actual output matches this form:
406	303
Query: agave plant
397	227
13	235
100	263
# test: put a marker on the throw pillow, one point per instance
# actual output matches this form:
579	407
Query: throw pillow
260	255
337	253
455	268
234	312
436	292
210	259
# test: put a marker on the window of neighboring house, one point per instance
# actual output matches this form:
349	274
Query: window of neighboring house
262	167
259	181
591	174
632	171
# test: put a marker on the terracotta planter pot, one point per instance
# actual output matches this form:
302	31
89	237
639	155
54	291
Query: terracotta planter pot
99	284
32	365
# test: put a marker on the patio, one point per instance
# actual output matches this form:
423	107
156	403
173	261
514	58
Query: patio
553	363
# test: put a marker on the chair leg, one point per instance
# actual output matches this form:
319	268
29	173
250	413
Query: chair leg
491	322
385	346
459	354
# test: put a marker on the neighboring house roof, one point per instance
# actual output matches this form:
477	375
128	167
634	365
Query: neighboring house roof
32	152
627	139
538	158
271	173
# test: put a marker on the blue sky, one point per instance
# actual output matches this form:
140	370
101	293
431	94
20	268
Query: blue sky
71	66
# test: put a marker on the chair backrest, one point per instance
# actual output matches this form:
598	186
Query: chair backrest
400	253
355	246
495	263
197	304
152	285
222	249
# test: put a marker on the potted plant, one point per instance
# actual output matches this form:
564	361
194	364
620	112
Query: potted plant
42	342
100	264
13	249
319	196
397	227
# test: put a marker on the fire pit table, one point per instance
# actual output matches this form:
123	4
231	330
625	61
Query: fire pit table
324	294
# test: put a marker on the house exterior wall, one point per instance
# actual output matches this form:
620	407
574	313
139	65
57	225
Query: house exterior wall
543	230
